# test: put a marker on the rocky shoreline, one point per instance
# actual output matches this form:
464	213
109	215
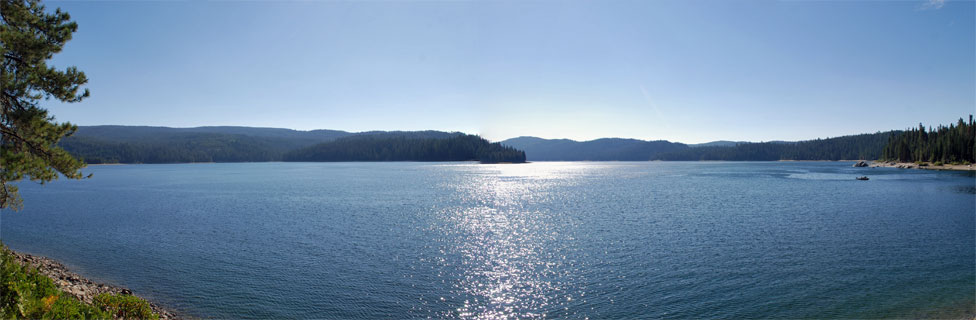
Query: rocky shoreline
927	166
78	286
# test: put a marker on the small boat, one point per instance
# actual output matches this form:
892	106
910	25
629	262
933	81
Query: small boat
861	178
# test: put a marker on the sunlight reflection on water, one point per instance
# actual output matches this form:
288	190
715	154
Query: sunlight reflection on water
509	268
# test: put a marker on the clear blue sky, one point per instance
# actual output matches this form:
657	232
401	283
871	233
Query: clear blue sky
687	71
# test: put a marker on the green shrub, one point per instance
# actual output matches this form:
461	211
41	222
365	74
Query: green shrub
124	306
921	163
67	307
937	163
27	294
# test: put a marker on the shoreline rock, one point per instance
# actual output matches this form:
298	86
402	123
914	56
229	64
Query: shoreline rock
926	166
78	286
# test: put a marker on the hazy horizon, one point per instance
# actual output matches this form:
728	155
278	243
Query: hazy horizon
689	72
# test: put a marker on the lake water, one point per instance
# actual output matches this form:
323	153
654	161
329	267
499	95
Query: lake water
552	240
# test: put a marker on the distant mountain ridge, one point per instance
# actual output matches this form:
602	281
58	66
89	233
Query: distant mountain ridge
143	144
854	147
146	144
606	149
719	143
127	133
863	146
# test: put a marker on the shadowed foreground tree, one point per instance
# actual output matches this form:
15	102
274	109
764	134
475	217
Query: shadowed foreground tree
29	37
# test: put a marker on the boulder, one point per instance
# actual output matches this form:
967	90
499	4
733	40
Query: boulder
860	164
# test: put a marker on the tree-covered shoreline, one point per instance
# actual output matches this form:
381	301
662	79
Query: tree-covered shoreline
132	145
854	147
460	147
955	143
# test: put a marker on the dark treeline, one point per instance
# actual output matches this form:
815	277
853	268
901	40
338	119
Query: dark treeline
862	146
140	144
178	149
459	147
955	143
131	144
606	149
120	144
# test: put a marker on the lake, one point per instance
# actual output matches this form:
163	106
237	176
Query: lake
538	240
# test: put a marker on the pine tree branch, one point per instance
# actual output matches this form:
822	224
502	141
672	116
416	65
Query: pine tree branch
34	149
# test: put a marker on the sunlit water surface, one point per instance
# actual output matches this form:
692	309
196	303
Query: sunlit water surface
539	240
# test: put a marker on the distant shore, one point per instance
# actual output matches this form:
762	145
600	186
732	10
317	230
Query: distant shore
79	287
842	160
924	165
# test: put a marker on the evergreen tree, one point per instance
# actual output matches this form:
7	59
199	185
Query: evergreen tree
29	37
953	144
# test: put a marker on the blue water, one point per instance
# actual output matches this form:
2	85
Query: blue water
548	240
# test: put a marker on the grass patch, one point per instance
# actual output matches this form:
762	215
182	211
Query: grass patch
25	293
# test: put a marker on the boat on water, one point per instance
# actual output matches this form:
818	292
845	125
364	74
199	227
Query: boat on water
862	178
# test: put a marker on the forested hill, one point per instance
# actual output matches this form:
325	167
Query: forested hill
385	147
955	143
135	144
609	149
720	143
142	133
862	146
